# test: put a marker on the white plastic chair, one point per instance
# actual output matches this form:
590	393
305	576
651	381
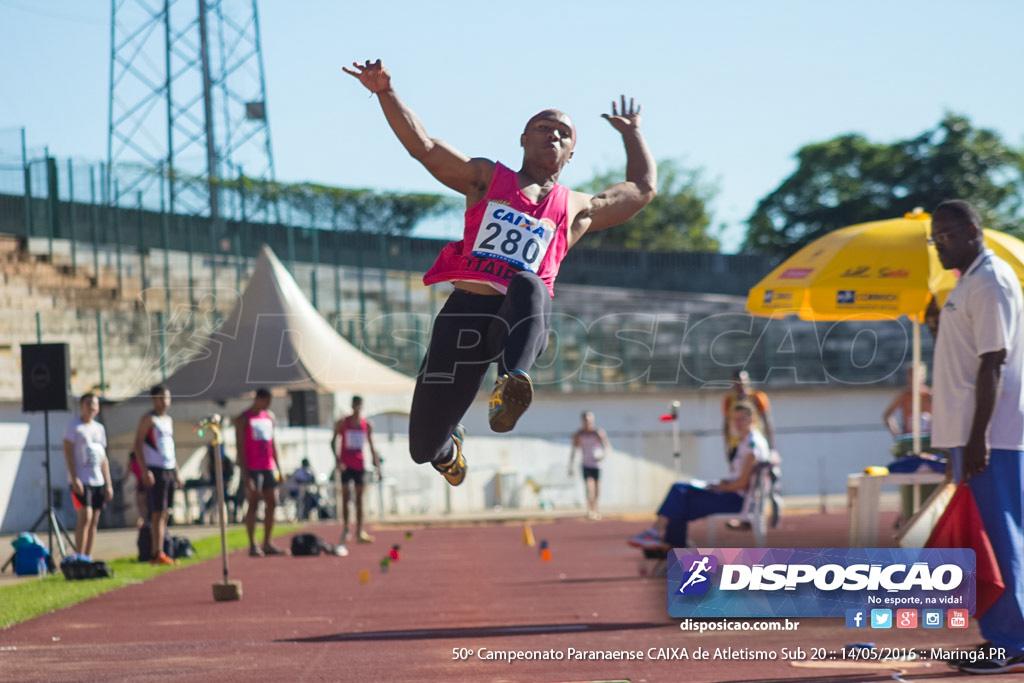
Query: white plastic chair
757	497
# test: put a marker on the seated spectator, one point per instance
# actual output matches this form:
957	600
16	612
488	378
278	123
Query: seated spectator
763	423
898	415
303	488
687	502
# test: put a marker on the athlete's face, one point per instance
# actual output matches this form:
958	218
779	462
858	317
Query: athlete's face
550	136
741	421
90	408
588	421
161	402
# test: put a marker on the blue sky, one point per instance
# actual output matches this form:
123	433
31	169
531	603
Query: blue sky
733	87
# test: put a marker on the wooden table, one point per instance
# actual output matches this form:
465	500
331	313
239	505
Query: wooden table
863	492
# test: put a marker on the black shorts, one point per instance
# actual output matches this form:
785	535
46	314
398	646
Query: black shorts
357	476
263	480
94	497
591	473
160	495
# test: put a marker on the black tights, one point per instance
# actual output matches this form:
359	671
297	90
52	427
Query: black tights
471	332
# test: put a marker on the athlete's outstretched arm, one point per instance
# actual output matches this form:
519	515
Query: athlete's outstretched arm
622	201
447	164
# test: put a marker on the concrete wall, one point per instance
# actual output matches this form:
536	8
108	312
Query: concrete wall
822	433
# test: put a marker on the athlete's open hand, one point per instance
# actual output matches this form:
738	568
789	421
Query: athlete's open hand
623	117
372	75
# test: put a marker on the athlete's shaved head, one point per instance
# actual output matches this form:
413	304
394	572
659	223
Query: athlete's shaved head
553	115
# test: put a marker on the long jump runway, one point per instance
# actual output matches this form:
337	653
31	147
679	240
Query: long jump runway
460	600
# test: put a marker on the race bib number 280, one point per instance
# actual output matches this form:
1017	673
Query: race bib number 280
513	236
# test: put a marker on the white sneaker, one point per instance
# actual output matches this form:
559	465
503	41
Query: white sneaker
341	551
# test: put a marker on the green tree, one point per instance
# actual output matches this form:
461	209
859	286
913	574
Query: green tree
850	180
676	220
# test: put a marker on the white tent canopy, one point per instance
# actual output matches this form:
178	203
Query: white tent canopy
274	338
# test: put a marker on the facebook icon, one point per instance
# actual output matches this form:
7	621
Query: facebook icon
856	618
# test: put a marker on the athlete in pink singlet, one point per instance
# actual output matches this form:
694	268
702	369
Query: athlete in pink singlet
261	469
352	434
519	226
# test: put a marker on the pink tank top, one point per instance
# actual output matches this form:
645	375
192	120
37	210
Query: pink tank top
259	441
506	233
353	438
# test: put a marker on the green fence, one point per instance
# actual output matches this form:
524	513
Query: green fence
128	242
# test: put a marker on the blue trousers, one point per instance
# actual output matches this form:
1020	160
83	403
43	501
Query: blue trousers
685	503
999	493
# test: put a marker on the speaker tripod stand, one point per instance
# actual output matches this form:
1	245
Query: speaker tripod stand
45	384
53	524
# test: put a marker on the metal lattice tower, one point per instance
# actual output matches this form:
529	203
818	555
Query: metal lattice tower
187	102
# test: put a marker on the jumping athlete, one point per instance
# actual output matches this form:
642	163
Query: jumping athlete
518	227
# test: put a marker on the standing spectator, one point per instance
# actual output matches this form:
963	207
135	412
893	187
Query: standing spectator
592	442
85	453
763	423
258	454
979	410
154	438
354	432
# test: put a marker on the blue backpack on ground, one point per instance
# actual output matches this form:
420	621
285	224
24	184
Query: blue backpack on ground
30	555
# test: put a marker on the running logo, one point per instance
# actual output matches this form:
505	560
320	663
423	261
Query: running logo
695	581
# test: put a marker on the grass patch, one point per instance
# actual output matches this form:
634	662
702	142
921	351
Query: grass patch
30	598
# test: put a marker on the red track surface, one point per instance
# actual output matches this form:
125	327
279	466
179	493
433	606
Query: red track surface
309	618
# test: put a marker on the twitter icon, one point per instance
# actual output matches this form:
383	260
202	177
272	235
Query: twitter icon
881	618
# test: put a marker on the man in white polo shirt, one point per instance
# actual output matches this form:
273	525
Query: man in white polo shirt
978	409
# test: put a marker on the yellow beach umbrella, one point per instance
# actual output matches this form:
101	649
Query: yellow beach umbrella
883	269
870	271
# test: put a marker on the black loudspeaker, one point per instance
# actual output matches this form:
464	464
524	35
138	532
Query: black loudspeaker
44	377
304	410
